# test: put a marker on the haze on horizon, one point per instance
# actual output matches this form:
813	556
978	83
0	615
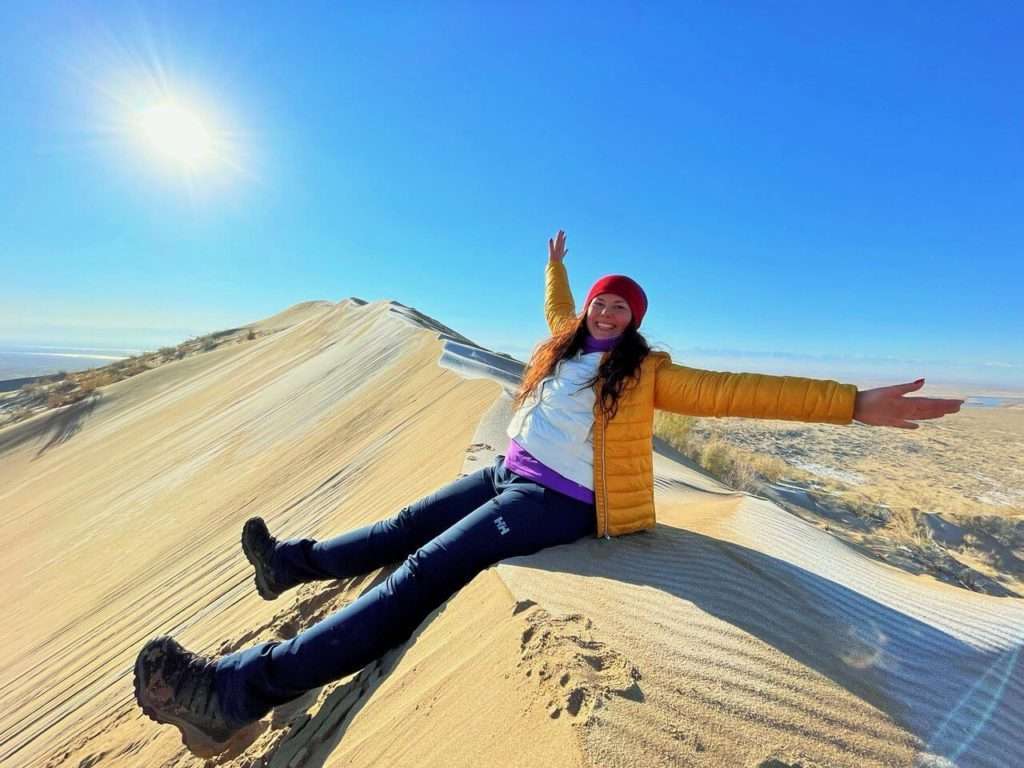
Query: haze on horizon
816	190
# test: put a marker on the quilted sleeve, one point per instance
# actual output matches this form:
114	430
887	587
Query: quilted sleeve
558	303
697	392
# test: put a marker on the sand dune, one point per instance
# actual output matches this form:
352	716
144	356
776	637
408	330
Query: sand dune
732	635
761	629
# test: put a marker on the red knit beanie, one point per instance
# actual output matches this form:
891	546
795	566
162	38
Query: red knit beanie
628	289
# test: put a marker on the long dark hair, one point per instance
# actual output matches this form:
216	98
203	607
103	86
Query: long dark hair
615	373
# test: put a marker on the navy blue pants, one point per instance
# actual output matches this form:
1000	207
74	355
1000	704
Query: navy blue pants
443	541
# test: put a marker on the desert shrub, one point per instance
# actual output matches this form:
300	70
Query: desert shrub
167	351
250	335
674	429
100	379
715	456
19	414
1007	530
869	508
35	391
208	344
740	469
770	468
128	364
57	399
742	476
908	525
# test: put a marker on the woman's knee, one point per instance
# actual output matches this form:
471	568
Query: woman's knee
417	587
404	519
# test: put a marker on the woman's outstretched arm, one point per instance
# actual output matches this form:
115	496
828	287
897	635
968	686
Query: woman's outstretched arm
697	392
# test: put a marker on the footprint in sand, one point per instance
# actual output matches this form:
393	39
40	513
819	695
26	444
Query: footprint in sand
476	448
578	673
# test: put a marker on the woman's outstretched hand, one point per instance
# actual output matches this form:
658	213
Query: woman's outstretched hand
887	406
556	247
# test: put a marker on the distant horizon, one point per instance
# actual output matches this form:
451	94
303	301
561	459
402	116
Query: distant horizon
863	370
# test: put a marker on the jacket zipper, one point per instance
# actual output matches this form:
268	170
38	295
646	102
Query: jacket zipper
604	460
604	469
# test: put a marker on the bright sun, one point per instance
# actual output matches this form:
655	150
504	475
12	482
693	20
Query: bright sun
179	135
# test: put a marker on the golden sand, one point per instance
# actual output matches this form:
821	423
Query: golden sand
734	634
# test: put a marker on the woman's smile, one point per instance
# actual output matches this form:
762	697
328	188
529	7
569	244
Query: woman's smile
608	315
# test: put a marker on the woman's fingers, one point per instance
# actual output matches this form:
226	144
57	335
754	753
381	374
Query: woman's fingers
920	409
929	407
908	387
888	406
556	246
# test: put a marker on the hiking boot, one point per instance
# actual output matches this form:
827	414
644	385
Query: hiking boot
176	686
258	546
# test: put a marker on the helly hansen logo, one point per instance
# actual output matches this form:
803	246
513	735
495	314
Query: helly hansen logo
502	527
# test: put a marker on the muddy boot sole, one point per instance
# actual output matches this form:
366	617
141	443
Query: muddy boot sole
196	740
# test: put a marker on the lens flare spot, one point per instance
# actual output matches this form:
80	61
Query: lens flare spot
177	134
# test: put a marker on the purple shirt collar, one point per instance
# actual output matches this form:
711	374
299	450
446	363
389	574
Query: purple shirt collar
590	344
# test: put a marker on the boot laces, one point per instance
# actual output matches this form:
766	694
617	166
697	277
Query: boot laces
194	688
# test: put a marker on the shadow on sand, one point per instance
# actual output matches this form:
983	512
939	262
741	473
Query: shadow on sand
308	739
965	702
55	428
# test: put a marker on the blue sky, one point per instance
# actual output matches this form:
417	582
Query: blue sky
820	188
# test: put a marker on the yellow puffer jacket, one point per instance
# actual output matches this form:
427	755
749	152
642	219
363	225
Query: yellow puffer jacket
623	452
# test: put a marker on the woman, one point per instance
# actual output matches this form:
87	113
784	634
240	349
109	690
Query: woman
579	462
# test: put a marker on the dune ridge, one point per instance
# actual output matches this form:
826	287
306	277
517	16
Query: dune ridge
731	635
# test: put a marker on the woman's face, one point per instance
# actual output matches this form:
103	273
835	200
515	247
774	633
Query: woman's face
607	316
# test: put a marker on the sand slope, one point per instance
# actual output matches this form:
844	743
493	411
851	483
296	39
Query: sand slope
732	635
760	637
120	519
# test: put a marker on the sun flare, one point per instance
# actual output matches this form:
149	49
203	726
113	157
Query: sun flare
146	109
178	135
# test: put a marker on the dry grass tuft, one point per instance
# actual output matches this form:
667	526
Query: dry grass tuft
738	468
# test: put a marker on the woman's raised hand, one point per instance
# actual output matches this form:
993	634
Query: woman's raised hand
556	247
887	406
